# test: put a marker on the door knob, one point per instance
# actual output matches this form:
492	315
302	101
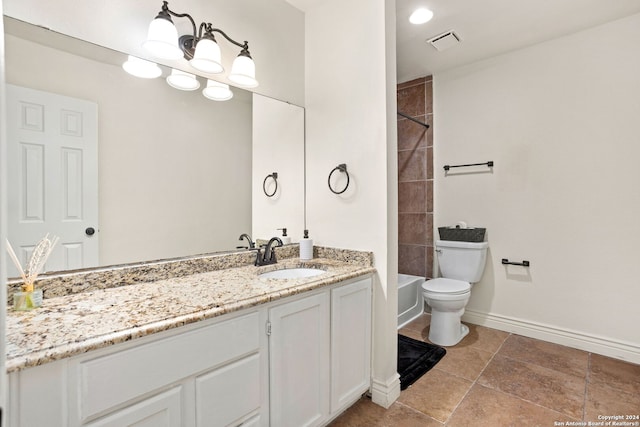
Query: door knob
90	231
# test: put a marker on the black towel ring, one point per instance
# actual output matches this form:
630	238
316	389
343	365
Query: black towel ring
342	168
264	184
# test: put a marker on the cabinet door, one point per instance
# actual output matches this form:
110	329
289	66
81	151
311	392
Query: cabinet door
299	362
228	394
350	343
162	410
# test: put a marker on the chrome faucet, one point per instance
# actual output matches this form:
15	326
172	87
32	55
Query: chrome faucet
269	256
246	236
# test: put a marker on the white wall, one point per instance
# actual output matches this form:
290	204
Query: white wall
174	180
273	28
278	146
560	120
350	106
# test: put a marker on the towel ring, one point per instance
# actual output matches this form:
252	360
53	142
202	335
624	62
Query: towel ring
274	176
342	168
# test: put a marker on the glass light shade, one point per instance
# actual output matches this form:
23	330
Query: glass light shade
207	57
141	68
183	81
217	91
162	40
420	16
243	72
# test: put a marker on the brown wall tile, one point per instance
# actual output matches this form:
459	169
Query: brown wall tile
412	228
429	196
411	135
429	262
415	178
428	92
411	100
412	165
412	197
411	260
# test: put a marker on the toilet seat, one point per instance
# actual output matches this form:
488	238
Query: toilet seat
446	286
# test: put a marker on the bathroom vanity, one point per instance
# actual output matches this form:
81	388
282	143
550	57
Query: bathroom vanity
218	348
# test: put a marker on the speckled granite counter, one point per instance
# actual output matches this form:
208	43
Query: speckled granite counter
79	322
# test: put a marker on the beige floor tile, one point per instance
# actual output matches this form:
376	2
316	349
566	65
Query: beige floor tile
552	389
365	413
614	373
484	407
411	333
465	362
553	356
436	394
420	324
483	338
604	400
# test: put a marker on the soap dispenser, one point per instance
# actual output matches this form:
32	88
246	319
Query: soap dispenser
306	247
285	239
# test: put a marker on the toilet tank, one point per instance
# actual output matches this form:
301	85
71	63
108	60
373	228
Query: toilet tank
461	260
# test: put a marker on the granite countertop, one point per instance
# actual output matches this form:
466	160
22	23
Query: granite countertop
76	323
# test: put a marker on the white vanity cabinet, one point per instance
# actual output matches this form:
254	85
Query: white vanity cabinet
299	357
298	361
319	354
213	373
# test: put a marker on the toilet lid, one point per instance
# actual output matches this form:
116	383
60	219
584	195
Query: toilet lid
447	286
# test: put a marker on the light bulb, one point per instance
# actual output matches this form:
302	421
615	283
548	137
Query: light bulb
141	68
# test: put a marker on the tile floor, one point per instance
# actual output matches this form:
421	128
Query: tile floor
494	378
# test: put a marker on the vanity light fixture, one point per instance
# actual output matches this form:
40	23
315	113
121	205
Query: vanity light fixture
200	48
141	68
217	91
181	80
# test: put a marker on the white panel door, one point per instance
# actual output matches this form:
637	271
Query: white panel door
52	176
299	362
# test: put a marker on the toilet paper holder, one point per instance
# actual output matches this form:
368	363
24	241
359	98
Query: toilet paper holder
524	263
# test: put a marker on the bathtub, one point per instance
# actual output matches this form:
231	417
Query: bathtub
410	301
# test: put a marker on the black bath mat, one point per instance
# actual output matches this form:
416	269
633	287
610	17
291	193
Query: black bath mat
415	358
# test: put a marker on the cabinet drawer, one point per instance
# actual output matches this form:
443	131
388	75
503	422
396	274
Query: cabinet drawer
228	393
112	380
160	410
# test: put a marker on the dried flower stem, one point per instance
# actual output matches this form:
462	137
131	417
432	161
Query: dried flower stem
36	263
16	262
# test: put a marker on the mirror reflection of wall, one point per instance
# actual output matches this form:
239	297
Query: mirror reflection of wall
278	128
174	167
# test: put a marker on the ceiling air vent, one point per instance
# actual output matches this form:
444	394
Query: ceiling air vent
444	41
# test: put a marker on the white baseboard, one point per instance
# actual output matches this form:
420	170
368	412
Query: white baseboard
385	393
592	343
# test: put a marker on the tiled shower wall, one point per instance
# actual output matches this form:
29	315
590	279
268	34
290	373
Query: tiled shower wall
415	178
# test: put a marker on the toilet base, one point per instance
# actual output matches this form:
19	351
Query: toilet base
445	330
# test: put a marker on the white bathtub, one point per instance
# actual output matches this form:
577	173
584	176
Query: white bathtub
410	301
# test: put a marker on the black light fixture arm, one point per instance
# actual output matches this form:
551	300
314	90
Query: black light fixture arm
244	46
166	11
188	42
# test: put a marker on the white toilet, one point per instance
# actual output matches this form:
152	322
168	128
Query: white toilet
461	264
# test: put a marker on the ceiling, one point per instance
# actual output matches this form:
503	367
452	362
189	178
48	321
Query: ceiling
492	27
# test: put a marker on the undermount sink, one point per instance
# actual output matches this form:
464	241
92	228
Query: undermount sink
292	273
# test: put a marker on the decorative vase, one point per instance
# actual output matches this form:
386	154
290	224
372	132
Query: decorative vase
23	301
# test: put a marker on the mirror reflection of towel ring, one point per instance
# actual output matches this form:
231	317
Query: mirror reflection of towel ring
342	168
274	176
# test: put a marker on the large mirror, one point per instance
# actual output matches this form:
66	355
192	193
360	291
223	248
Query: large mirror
174	171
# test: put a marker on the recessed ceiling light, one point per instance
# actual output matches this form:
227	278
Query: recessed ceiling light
420	16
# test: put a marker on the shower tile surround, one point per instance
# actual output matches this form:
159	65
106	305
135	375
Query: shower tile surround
86	310
415	178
